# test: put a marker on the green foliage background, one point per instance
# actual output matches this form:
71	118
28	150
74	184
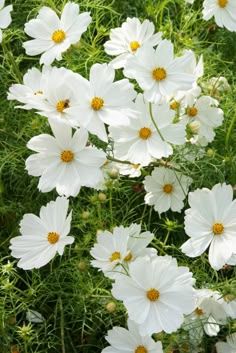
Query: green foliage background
68	292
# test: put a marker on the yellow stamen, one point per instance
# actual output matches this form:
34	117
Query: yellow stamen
222	3
135	166
145	133
67	156
58	36
140	349
39	92
61	105
168	188
97	103
53	237
115	256
159	74
152	294
218	228
192	111
174	105
198	312
134	45
128	257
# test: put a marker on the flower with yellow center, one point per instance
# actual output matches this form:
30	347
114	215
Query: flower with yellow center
168	188
134	45
140	349
152	294
115	256
159	74
222	3
97	103
67	156
128	257
174	105
58	36
192	111
199	312
145	133
223	11
45	236
215	212
63	104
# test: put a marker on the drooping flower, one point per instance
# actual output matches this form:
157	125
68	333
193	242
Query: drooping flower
158	73
224	12
5	17
127	39
145	139
114	252
65	162
53	36
211	222
166	189
42	237
103	101
157	294
122	340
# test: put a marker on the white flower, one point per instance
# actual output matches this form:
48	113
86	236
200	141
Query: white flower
229	346
158	73
115	251
123	341
103	101
53	36
166	189
34	316
64	162
5	17
132	170
31	92
157	294
143	140
127	39
42	237
217	85
205	112
224	12
211	222
190	1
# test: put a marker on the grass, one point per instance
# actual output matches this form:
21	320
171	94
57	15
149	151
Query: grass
71	295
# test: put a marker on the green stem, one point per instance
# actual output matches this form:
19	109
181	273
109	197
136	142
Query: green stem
153	120
14	69
63	350
110	206
228	135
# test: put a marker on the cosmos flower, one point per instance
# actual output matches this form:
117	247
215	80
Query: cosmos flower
127	39
211	222
229	346
53	36
224	12
44	236
5	17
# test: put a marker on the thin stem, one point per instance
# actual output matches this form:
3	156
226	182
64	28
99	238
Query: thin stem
63	350
230	131
153	120
117	160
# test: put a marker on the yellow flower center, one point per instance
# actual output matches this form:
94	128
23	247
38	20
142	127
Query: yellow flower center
61	105
128	257
152	294
135	166
192	111
97	103
39	92
168	188
145	133
67	156
53	237
198	312
222	3
174	105
115	256
159	74
134	45
140	349
58	36
218	228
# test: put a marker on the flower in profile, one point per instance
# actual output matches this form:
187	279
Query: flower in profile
103	101
53	36
145	139
127	39
166	189
31	92
114	252
224	12
64	162
211	222
122	340
5	17
158	73
44	236
229	346
157	294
